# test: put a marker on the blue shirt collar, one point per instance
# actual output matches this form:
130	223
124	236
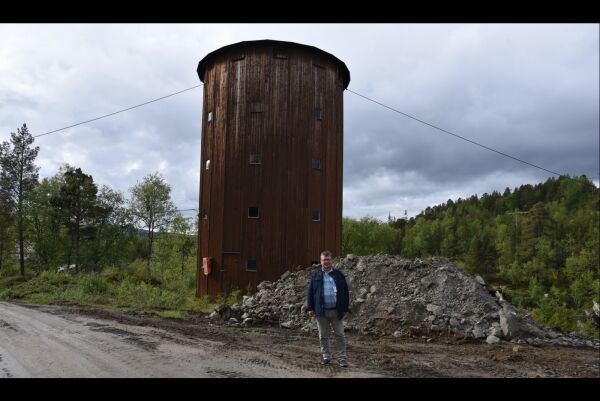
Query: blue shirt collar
330	271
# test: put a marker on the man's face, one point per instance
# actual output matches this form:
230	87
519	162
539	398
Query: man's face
326	262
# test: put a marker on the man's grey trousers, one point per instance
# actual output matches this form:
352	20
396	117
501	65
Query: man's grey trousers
323	323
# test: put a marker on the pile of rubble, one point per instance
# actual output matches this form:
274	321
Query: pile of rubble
393	296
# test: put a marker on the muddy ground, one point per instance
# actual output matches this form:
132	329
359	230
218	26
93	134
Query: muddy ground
69	341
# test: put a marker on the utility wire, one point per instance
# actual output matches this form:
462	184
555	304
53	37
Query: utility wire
349	90
117	112
448	132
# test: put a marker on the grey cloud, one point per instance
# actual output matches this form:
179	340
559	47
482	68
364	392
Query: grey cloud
527	90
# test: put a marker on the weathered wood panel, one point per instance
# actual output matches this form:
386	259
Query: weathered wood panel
263	96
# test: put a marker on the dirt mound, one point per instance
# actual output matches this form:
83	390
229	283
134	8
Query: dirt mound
393	296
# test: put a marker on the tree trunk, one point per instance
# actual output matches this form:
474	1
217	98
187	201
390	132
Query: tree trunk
150	240
21	250
20	220
77	247
70	251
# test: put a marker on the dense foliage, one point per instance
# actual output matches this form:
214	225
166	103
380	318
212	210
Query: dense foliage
537	243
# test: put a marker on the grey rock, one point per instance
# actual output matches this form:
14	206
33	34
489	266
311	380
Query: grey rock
495	332
285	275
426	282
435	309
397	333
213	315
478	332
245	315
454	322
509	323
287	324
492	340
264	285
247	321
233	320
480	280
372	289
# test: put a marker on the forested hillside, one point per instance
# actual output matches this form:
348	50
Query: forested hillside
544	258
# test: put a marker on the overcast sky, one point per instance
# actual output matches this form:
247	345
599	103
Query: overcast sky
531	91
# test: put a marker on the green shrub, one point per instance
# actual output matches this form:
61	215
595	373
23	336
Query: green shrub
93	284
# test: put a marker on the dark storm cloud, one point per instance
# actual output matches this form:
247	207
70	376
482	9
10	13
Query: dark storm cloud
527	90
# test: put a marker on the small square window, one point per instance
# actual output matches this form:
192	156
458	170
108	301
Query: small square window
251	265
253	212
254	159
256	107
316	215
210	116
318	113
207	165
316	164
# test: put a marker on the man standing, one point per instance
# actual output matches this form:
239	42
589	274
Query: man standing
328	300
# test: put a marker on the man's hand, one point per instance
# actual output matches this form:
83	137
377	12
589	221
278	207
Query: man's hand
311	313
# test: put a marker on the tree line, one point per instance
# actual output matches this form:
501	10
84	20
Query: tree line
539	244
68	220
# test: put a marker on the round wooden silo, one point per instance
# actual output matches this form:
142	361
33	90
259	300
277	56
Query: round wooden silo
271	162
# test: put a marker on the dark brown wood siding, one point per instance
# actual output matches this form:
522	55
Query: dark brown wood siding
264	103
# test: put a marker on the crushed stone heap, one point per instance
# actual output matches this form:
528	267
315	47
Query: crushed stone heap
394	296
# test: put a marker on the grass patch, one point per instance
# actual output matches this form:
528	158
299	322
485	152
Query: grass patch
167	293
172	314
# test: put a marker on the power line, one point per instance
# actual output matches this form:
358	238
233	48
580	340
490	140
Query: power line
458	136
349	90
117	112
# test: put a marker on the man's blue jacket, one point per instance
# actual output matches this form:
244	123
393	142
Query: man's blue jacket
316	298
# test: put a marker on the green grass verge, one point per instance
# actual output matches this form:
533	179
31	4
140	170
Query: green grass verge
167	296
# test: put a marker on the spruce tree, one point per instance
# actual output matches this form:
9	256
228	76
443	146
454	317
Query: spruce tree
18	178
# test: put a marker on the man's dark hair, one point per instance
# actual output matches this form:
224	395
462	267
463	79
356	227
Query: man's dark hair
326	253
